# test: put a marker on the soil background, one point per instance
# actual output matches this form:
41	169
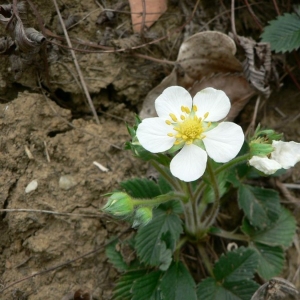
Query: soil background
49	135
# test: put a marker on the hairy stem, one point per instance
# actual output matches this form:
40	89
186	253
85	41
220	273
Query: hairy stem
215	208
159	199
229	235
171	180
230	164
205	259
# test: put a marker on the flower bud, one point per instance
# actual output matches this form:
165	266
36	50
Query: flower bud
142	217
119	204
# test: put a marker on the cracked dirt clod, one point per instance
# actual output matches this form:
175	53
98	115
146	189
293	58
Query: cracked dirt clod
32	241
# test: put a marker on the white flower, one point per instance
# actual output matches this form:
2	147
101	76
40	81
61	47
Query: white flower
187	123
284	156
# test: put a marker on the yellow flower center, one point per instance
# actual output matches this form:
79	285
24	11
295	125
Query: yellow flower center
189	128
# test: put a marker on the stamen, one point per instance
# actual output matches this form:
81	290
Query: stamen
173	117
195	108
187	110
178	135
208	124
168	122
182	108
206	115
170	134
182	117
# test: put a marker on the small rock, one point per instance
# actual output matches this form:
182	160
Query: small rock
31	186
66	182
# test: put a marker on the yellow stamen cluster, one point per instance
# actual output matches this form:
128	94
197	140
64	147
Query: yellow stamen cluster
189	128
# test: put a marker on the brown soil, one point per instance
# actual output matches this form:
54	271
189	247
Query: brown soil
46	140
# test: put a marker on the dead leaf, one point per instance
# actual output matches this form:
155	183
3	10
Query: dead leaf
145	12
257	65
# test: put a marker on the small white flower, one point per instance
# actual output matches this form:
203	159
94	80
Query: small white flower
284	156
187	123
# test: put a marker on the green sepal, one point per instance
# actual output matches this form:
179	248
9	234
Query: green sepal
119	204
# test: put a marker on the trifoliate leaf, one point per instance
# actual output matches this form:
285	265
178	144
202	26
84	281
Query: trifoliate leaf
141	188
156	241
271	260
283	33
115	257
178	284
122	290
261	206
147	287
280	233
210	289
236	265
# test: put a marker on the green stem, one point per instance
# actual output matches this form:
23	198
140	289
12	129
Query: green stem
215	208
159	199
199	190
178	247
189	218
205	260
229	235
171	180
233	162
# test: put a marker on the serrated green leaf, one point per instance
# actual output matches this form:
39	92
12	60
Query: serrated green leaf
172	206
147	287
164	185
115	257
280	233
141	188
237	265
210	289
178	284
156	241
283	33
271	260
122	290
261	206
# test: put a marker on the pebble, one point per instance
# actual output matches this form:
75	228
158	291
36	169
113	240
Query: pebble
31	186
66	182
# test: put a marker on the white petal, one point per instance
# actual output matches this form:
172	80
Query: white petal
152	134
189	164
264	164
171	100
224	142
286	153
213	101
